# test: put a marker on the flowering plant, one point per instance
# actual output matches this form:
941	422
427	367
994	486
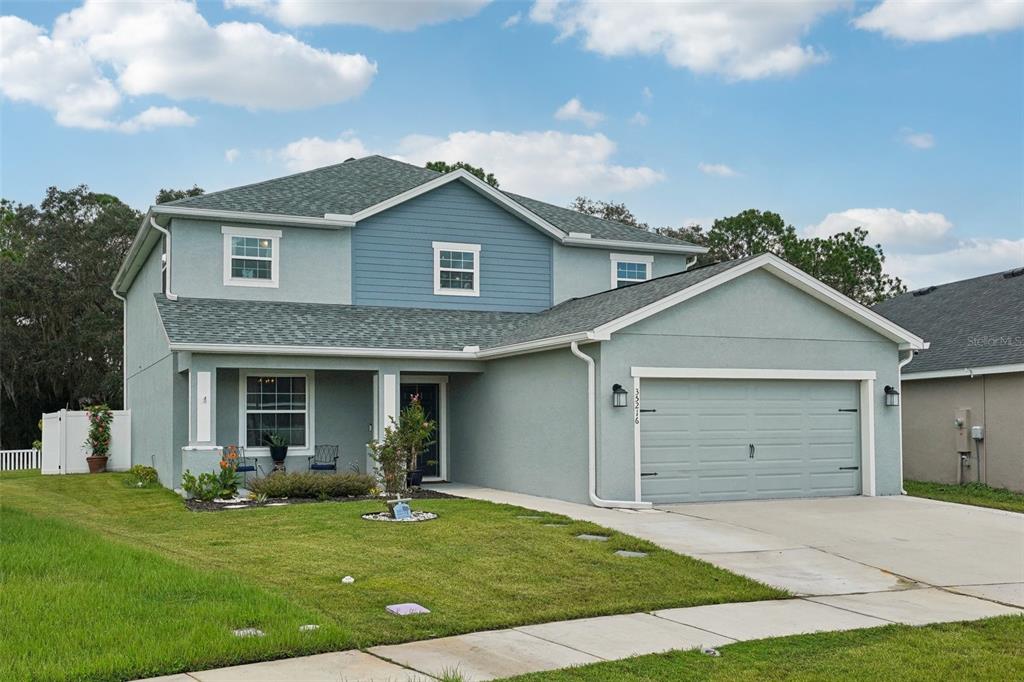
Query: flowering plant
98	439
228	476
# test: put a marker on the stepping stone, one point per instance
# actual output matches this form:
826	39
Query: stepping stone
592	538
248	632
407	609
629	554
309	628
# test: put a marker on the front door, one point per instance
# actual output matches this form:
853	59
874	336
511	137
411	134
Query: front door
430	398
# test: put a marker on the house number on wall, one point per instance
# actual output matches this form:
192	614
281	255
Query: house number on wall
636	405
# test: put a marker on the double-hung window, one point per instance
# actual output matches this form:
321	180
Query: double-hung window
251	257
630	269
456	269
276	404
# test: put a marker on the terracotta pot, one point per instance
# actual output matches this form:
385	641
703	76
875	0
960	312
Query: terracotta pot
97	465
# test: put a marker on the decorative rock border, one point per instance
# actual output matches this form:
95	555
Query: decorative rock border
416	516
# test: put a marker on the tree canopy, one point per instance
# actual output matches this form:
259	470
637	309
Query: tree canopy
60	327
165	195
845	261
445	167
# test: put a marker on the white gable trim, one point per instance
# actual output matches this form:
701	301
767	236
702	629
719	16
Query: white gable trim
787	273
964	372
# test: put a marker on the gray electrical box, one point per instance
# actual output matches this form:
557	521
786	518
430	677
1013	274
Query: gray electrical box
977	433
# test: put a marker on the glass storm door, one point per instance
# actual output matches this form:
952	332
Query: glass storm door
430	398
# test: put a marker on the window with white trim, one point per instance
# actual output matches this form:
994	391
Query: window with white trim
630	269
276	405
251	257
456	269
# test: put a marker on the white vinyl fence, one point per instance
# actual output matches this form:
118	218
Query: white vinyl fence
16	460
64	448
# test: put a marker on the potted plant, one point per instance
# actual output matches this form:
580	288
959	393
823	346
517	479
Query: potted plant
278	447
98	439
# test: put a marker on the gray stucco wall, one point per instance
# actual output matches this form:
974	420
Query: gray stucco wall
393	259
756	321
315	264
522	426
581	271
149	369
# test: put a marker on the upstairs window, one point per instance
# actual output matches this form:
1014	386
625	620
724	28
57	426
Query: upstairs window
456	269
630	269
251	257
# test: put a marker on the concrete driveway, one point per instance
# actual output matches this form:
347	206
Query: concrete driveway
827	546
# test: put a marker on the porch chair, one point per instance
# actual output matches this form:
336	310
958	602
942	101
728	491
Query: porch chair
325	458
246	465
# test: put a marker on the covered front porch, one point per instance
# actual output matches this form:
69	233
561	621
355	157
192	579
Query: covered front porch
239	400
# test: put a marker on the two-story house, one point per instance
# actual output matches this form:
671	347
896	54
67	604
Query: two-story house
563	355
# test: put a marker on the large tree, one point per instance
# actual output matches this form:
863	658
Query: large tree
445	167
60	327
165	195
844	261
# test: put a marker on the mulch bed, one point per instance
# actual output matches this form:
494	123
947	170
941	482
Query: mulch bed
200	506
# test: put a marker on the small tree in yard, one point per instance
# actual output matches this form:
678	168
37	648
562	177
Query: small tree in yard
414	431
389	459
395	456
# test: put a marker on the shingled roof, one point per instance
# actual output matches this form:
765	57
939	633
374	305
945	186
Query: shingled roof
205	321
972	323
349	187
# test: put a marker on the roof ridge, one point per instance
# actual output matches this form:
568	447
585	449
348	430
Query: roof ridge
936	287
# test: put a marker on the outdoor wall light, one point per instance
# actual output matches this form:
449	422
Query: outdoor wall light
619	396
892	397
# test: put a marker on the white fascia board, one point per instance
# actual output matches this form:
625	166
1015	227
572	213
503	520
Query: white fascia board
789	274
752	373
644	247
475	183
133	260
255	349
252	217
965	372
536	345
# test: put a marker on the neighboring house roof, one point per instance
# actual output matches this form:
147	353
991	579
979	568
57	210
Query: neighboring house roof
972	324
218	325
354	186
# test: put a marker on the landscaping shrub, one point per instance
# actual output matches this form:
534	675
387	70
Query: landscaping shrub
140	476
315	486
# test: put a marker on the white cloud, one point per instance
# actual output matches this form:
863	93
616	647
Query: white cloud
387	15
966	258
573	110
904	230
918	140
934	20
157	117
545	164
313	152
744	40
165	49
512	20
639	119
647	94
717	169
231	155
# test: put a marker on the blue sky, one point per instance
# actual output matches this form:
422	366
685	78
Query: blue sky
907	119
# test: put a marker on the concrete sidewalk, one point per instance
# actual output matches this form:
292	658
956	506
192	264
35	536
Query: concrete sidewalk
532	648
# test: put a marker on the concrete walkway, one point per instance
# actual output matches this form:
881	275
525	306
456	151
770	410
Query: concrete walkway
839	555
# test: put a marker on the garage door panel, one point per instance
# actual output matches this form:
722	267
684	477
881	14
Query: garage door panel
698	440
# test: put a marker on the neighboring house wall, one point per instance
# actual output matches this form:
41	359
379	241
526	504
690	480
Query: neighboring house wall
582	271
149	369
314	264
756	321
996	401
522	426
393	256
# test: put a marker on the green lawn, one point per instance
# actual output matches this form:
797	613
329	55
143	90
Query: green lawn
120	582
978	494
981	650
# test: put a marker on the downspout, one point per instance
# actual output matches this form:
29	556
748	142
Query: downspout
592	439
171	296
899	387
124	347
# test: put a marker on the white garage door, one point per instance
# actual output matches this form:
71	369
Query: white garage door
704	440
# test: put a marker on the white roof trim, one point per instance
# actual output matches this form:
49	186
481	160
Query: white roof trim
268	349
968	372
333	222
646	247
789	274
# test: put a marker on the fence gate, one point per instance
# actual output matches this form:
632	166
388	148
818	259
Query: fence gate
64	448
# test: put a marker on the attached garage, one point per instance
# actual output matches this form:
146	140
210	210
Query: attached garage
730	439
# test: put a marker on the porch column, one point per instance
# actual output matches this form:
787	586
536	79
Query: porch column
387	384
202	452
